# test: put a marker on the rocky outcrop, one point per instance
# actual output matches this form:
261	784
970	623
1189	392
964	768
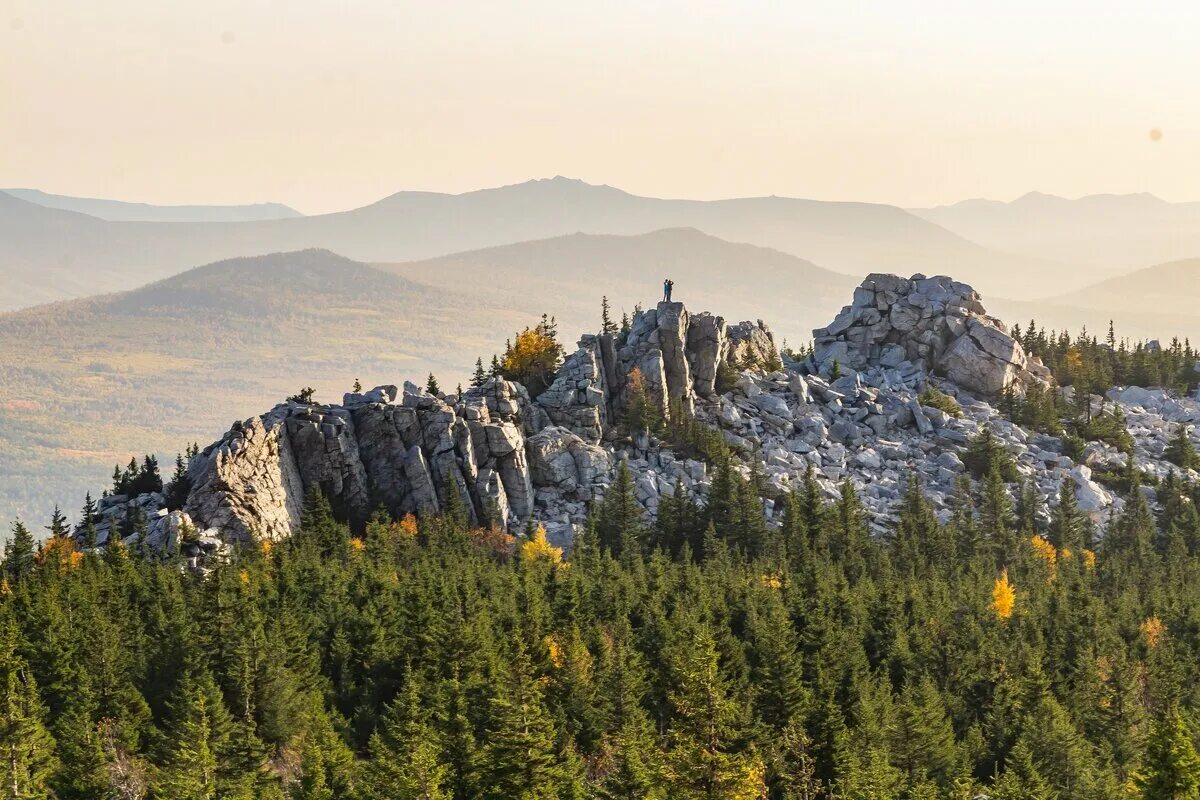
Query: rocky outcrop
577	399
408	451
508	457
925	325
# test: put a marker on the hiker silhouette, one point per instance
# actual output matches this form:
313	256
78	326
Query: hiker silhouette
668	285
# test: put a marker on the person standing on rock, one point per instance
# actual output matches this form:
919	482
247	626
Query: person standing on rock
668	285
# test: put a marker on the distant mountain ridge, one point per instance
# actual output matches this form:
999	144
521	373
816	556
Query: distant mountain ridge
51	253
123	211
1108	233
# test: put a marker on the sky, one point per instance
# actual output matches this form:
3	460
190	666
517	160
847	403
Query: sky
332	104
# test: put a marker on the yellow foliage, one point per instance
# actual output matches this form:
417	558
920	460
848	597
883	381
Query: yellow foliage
1089	559
1074	360
537	547
1065	554
533	358
5	587
1003	596
1046	552
409	525
244	577
61	551
772	581
555	650
266	546
1152	630
357	545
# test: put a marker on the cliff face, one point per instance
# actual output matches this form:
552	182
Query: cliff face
508	457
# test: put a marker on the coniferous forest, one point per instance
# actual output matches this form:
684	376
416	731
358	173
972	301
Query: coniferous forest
704	656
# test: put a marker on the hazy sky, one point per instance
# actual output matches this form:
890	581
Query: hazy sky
328	104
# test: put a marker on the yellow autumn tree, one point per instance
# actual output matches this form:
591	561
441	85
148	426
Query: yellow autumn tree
1152	630
536	547
1046	552
534	357
1003	596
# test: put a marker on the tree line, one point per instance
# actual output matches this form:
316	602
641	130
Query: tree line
704	655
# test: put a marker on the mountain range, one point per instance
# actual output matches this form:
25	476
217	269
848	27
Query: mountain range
1110	234
119	210
51	253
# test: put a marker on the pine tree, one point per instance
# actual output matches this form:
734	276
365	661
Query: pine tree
18	553
479	377
607	326
707	758
522	757
405	761
1172	767
619	524
431	386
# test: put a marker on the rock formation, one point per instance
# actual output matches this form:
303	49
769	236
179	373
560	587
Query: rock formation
508	457
922	325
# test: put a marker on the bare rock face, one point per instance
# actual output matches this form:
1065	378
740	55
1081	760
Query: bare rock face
560	459
751	343
577	398
927	325
708	346
248	483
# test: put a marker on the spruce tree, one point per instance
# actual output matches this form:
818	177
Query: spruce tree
707	757
522	758
1171	770
18	553
1180	450
405	762
607	326
619	516
479	377
27	750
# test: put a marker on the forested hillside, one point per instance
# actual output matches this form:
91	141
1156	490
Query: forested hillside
703	657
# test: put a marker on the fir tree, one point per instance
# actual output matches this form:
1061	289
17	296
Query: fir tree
18	553
706	759
1172	767
607	326
479	377
27	751
404	762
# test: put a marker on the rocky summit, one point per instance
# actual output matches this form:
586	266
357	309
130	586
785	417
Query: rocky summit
856	409
911	325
